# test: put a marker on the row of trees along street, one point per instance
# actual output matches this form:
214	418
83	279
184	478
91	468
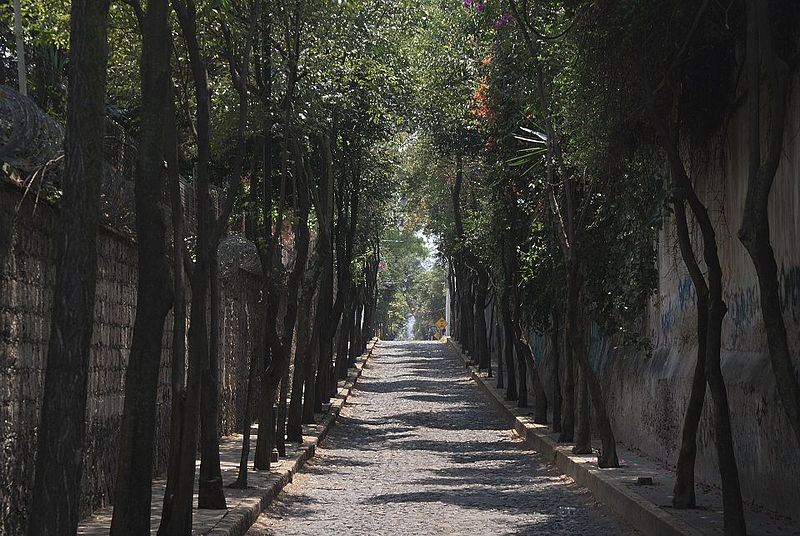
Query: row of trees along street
543	145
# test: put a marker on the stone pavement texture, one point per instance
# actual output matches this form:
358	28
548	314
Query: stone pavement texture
418	450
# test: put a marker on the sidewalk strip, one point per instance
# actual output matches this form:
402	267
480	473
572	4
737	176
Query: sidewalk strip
244	506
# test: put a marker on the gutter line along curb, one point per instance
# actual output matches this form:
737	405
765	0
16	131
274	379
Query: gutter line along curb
237	521
643	515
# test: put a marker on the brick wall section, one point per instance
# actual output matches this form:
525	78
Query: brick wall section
27	270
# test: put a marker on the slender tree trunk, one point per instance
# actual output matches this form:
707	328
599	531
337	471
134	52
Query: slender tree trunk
211	494
467	301
568	412
266	425
481	346
255	350
177	511
355	330
498	344
525	354
324	351
302	361
583	423
176	516
508	344
555	330
522	375
280	424
683	494
132	496
178	366
731	493
344	337
60	441
755	231
723	438
310	386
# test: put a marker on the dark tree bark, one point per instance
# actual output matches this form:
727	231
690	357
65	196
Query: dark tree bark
279	366
583	423
132	496
522	378
266	247
322	383
345	230
310	380
683	190
683	494
723	438
177	511
371	298
211	495
481	346
254	318
525	354
324	201
178	368
280	422
555	343
508	344
302	358
498	350
755	231
60	441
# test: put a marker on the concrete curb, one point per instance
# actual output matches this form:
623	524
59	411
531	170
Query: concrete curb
642	514
237	521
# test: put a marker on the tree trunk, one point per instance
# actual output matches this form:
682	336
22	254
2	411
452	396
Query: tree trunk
755	232
583	423
481	346
568	412
210	491
683	493
266	424
178	368
522	375
310	386
177	510
302	362
508	345
324	350
355	330
255	350
682	189
60	441
280	424
723	438
132	495
497	343
345	326
556	349
525	354
467	317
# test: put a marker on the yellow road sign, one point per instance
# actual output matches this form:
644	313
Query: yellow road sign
441	323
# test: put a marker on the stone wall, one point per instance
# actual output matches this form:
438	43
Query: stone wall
27	269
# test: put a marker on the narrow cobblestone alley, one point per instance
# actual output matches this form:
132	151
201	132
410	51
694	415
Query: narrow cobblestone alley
418	450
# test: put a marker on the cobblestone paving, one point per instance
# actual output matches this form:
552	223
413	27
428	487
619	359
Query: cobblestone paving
419	451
